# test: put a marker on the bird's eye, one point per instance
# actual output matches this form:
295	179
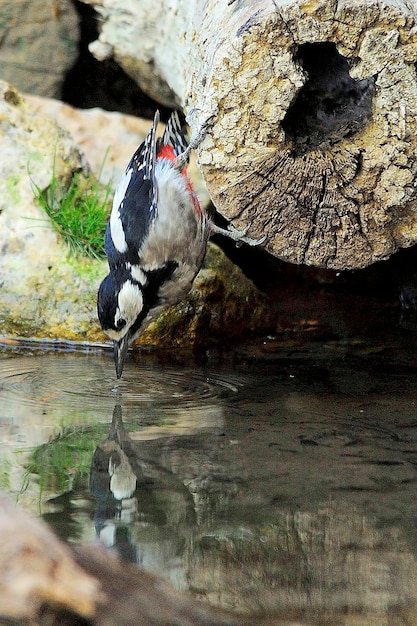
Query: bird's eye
121	323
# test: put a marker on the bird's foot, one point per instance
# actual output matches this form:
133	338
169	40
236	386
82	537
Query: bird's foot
239	236
196	139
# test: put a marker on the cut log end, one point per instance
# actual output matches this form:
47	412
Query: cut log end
319	156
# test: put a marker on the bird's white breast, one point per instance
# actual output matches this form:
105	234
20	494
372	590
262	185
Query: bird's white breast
116	227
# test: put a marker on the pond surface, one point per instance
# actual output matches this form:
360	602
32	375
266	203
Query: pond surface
280	478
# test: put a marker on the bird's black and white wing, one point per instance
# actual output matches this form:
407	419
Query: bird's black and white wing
134	203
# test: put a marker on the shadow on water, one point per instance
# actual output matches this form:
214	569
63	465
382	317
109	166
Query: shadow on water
283	480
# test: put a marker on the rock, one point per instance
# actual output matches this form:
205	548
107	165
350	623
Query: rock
107	139
45	291
34	33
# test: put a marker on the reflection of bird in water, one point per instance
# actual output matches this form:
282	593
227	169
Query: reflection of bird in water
123	480
131	490
113	479
114	461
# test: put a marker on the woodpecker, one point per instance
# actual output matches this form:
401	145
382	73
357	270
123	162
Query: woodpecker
156	237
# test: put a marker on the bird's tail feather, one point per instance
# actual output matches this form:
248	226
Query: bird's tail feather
176	134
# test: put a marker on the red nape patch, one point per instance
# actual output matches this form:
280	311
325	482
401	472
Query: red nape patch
166	152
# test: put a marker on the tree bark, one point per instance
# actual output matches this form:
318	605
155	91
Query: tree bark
314	106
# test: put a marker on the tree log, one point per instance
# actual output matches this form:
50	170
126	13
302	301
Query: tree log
314	106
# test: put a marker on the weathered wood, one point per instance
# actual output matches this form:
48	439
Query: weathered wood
315	109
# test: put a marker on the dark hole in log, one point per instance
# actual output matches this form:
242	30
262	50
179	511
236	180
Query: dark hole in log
331	104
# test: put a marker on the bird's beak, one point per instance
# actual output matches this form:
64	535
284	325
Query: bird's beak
120	351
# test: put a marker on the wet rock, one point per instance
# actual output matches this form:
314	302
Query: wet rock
32	30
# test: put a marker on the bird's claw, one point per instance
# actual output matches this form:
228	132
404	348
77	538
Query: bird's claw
196	139
239	236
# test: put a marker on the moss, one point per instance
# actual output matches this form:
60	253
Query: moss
79	210
89	270
18	327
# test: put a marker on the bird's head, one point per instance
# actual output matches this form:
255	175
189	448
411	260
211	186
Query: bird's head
121	311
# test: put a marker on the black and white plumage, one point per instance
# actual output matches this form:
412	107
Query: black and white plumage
156	237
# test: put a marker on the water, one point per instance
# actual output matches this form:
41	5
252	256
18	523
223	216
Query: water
280	477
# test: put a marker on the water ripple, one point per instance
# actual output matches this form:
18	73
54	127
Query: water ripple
86	383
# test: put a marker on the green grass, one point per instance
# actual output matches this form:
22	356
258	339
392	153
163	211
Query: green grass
79	213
